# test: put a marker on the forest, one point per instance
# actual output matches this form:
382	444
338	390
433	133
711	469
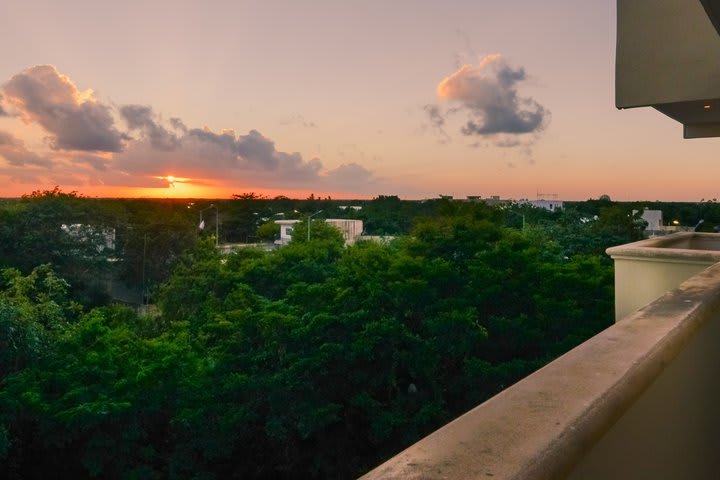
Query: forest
314	360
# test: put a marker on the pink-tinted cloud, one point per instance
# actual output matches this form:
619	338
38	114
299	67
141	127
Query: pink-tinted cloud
14	152
97	144
75	120
488	95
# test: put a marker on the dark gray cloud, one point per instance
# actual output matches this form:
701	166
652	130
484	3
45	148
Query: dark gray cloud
141	117
259	151
74	119
488	94
202	153
3	113
178	124
14	152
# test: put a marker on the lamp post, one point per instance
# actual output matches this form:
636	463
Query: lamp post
308	220
144	296
217	220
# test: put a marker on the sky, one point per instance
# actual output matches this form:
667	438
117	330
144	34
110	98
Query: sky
339	98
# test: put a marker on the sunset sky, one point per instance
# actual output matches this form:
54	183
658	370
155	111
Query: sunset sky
343	98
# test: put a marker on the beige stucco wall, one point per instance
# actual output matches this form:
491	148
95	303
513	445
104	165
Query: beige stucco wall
645	270
640	281
673	430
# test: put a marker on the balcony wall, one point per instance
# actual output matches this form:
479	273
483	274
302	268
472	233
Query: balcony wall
639	400
646	269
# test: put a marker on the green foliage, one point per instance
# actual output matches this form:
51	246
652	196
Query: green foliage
320	231
268	231
315	360
62	229
34	309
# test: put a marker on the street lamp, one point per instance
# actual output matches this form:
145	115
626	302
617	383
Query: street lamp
217	220
308	220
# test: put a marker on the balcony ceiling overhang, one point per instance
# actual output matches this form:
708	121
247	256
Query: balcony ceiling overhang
668	57
712	9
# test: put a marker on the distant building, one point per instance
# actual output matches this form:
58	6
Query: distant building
494	200
286	231
350	229
549	205
654	219
656	226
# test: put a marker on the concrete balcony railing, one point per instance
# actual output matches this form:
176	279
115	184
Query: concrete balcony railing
646	269
637	401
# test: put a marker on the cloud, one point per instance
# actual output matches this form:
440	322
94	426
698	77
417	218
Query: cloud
259	151
178	124
488	95
74	119
141	117
350	174
96	162
15	154
3	113
202	153
94	143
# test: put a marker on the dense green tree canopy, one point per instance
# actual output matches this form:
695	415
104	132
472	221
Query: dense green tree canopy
315	360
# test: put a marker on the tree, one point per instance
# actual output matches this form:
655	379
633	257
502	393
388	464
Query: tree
268	231
72	233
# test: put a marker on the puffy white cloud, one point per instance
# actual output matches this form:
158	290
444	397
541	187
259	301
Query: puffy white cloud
488	95
74	119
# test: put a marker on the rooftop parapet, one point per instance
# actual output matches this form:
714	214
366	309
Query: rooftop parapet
646	269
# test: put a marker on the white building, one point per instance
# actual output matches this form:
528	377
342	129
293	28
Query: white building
549	205
286	231
350	229
654	219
